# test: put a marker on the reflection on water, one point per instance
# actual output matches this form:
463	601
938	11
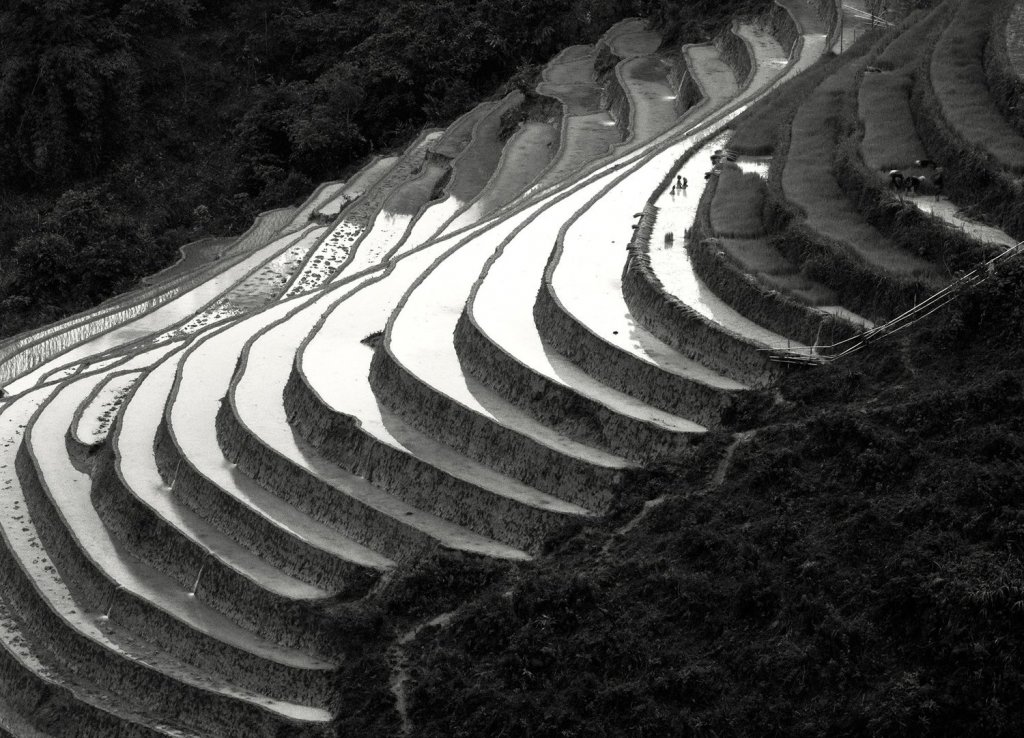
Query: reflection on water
672	265
98	415
387	230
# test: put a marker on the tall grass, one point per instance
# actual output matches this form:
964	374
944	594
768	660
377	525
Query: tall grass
1004	81
808	181
743	273
958	78
738	205
757	131
890	138
988	192
917	34
859	285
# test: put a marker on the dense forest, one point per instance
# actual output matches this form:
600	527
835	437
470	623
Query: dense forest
131	127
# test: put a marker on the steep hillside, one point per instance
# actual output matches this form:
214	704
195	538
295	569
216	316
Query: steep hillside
675	389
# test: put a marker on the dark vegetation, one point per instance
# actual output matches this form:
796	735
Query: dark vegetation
164	121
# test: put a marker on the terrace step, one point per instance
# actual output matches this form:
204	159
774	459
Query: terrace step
701	278
588	130
205	481
426	474
100	574
254	431
890	140
768	59
808	183
368	177
394	222
43	697
255	291
95	414
149	521
499	346
478	163
58	496
338	246
631	38
455	145
339	415
672	301
767	63
812	28
525	157
714	82
169	314
330	198
320	199
264	230
958	79
134	358
652	108
580	310
114	657
417	374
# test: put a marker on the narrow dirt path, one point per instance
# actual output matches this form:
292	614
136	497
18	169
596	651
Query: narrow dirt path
950	213
400	666
717	479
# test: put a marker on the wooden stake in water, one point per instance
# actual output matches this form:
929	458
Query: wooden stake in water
110	602
199	576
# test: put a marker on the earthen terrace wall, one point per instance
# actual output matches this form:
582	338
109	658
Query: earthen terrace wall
559	406
340	439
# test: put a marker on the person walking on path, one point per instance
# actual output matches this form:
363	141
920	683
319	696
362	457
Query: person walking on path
896	179
939	180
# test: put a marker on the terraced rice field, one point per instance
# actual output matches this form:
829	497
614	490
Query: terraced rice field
489	336
958	78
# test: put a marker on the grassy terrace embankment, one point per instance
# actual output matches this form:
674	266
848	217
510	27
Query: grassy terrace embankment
958	78
1004	62
978	180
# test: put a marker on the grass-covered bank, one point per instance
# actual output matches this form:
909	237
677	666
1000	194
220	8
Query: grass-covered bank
852	566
